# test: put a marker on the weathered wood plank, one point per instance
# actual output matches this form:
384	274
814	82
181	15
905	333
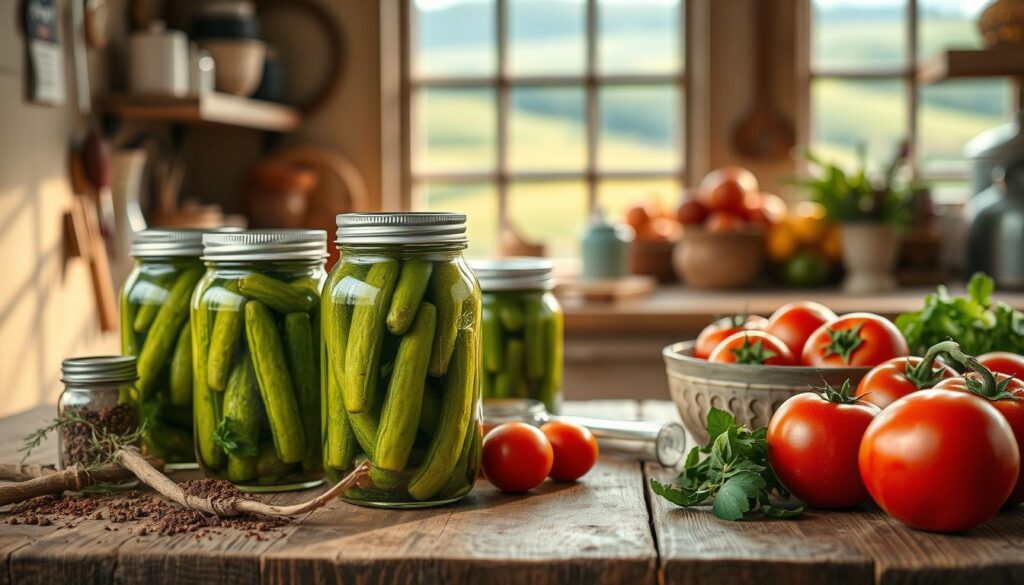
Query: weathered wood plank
860	546
12	432
595	531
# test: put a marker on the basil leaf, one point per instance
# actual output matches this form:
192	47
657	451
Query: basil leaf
778	512
684	497
731	501
719	421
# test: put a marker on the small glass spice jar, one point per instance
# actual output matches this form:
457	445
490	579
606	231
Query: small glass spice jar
522	331
96	404
256	367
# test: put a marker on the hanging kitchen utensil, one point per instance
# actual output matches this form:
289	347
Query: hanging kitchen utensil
766	133
44	54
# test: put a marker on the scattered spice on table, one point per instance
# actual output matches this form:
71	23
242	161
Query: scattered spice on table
156	515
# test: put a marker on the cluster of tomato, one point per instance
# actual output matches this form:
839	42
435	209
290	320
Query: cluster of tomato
801	333
726	200
517	456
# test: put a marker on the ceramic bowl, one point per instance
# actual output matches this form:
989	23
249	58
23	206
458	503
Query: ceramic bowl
719	260
238	64
751	393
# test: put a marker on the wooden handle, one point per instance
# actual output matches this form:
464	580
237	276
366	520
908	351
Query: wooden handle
99	267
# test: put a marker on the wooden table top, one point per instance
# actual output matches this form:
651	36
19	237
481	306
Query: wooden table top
606	529
678	309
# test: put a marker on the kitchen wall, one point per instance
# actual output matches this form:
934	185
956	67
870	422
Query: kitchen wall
46	304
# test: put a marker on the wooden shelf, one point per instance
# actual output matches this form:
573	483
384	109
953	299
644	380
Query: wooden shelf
208	108
960	64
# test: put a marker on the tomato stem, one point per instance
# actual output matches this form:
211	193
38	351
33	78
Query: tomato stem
988	388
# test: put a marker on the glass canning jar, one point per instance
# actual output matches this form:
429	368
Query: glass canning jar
155	328
401	334
522	331
256	383
97	400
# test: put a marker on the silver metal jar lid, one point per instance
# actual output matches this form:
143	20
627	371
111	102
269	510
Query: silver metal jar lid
101	369
178	242
261	245
401	228
513	274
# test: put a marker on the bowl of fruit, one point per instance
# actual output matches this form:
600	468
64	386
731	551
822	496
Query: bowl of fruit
723	230
749	365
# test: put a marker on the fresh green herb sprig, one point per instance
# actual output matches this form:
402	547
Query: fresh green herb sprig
974	321
735	474
233	441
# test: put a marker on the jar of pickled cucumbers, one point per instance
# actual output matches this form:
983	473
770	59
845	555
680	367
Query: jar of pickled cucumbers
522	331
256	368
96	410
401	334
155	328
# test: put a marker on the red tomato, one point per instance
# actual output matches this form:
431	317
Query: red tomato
691	212
752	347
857	339
893	379
765	209
795	322
1004	362
713	334
724	221
575	450
726	189
1012	411
637	217
813	442
940	460
516	457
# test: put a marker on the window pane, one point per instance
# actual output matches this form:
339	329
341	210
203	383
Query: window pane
640	128
547	129
617	196
455	130
552	213
849	114
479	201
949	191
954	112
640	36
547	37
948	24
859	33
454	37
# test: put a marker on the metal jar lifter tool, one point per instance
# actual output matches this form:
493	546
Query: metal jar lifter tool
664	443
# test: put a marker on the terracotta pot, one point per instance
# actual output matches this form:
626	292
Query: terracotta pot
869	255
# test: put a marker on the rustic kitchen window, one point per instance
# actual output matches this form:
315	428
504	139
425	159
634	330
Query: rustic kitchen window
538	111
861	61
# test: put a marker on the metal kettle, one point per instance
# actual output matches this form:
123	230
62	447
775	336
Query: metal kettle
995	240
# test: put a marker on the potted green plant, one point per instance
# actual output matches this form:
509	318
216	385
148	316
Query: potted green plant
871	209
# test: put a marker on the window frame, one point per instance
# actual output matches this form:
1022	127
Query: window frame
503	82
808	73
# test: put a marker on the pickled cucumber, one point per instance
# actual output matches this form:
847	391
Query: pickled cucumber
449	289
400	416
454	420
181	369
412	284
493	340
164	332
206	403
302	365
366	337
279	296
242	412
274	383
228	321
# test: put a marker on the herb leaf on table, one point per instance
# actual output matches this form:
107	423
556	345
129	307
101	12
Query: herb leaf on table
734	475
